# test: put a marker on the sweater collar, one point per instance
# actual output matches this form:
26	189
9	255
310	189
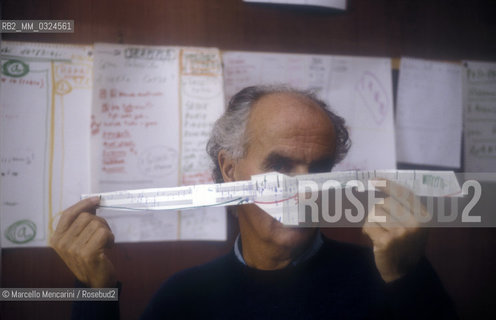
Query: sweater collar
307	254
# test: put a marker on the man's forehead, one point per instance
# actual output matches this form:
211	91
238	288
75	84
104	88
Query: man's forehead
287	111
278	100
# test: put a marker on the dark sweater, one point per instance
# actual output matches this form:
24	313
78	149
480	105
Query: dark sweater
339	282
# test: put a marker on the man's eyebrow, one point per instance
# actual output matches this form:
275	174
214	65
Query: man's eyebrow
275	158
280	162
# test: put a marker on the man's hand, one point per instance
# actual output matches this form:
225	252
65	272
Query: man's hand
81	240
399	242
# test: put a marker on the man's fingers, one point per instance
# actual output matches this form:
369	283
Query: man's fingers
100	239
81	240
110	241
395	214
382	237
77	226
71	213
84	236
400	193
378	234
402	205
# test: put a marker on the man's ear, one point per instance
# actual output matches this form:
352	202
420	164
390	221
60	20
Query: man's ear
227	165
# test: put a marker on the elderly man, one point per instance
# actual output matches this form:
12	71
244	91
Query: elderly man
274	271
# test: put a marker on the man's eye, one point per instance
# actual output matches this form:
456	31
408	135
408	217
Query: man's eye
280	167
321	167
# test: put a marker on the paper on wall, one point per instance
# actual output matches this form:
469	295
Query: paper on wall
45	94
202	103
480	117
429	113
356	88
153	108
338	4
143	117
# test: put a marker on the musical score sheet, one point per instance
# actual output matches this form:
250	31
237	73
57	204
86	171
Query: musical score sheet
280	195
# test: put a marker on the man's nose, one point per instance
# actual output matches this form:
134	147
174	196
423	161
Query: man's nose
299	169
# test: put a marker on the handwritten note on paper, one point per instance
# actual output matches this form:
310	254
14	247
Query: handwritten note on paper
429	113
480	117
44	120
202	103
360	90
338	4
357	88
306	72
135	129
153	108
135	117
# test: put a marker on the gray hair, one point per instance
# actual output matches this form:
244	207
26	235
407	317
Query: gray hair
229	130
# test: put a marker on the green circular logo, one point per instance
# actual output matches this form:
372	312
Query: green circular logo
15	68
21	231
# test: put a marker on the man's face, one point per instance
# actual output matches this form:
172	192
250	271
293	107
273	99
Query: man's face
290	134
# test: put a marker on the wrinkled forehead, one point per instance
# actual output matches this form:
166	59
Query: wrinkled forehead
287	114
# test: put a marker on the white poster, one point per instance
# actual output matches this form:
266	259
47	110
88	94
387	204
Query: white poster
153	109
76	120
429	113
356	88
45	99
480	117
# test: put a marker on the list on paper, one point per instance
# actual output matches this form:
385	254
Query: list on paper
480	117
202	103
45	94
429	113
356	88
153	108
